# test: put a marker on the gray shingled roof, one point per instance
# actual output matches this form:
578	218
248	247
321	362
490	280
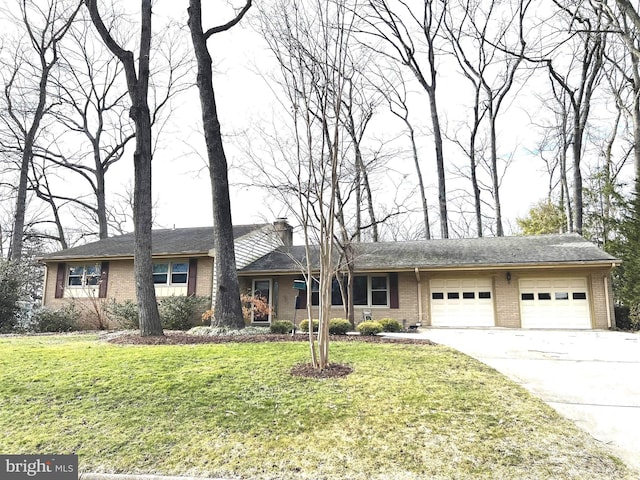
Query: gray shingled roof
179	241
469	252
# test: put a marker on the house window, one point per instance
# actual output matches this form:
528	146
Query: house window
379	291
579	296
437	296
174	273
84	275
368	291
371	290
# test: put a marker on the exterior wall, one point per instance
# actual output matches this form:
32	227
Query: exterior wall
407	313
121	286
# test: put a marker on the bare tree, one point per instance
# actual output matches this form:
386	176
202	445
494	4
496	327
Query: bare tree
479	36
412	36
394	89
138	88
26	89
228	310
310	41
623	21
578	80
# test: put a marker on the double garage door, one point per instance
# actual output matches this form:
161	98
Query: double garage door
544	302
554	303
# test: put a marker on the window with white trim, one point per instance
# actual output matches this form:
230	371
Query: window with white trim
84	275
368	291
171	273
371	290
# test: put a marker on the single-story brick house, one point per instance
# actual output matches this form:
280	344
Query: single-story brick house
547	281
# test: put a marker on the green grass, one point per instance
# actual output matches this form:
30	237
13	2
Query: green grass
406	412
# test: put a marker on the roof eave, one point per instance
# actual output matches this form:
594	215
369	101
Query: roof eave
609	263
96	258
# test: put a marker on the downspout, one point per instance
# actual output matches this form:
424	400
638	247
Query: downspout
417	272
44	290
606	300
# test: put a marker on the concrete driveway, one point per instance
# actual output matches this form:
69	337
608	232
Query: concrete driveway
589	377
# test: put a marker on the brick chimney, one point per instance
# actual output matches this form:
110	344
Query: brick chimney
285	231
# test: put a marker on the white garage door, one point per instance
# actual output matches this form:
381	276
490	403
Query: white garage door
554	303
462	302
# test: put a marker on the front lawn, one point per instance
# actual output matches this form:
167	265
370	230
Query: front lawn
234	410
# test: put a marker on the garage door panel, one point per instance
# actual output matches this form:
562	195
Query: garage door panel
462	302
554	303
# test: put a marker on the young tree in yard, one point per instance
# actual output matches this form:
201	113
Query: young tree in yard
310	40
138	88
26	90
227	307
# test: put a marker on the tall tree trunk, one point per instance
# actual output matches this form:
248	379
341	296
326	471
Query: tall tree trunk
101	204
495	182
442	187
138	87
423	197
227	307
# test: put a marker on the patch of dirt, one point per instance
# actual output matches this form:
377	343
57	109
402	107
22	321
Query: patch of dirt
333	370
182	338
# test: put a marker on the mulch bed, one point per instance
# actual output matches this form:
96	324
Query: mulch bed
181	338
333	370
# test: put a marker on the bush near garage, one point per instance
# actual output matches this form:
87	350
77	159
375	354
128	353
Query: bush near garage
370	327
390	325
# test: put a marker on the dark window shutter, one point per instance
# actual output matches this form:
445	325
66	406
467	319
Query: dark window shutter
301	300
104	280
61	276
193	276
393	291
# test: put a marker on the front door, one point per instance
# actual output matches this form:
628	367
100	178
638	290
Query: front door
262	290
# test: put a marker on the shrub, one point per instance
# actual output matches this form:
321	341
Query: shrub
49	320
390	325
228	331
369	328
281	327
304	325
124	313
10	289
182	312
339	326
627	318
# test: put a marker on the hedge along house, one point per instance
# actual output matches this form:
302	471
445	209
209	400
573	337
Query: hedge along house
548	281
183	263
